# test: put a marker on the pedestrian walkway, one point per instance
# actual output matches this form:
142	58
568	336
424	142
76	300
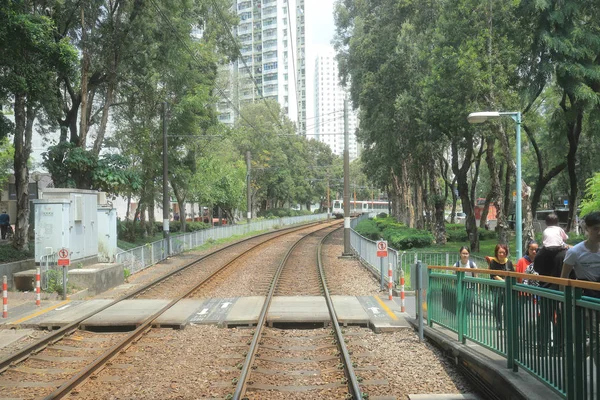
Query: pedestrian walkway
486	368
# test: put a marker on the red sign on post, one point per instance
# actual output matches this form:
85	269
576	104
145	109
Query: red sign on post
382	248
63	257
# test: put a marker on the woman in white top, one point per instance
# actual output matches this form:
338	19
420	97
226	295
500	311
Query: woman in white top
550	257
464	261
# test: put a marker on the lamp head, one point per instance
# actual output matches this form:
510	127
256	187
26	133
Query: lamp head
480	117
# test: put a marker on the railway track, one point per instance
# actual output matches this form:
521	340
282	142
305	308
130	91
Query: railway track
298	363
51	367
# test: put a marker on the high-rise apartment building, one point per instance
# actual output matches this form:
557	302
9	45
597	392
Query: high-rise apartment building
272	61
329	107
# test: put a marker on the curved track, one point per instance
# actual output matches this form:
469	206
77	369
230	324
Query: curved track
39	368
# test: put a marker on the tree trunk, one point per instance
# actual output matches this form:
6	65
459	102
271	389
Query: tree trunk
528	231
24	117
573	134
461	172
439	203
496	191
85	67
108	98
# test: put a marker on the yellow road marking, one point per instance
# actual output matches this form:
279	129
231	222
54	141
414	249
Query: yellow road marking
386	308
36	314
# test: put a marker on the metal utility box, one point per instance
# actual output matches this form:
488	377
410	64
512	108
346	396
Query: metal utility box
107	233
67	218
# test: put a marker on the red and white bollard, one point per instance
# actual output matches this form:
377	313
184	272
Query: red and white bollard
390	280
4	297
402	306
38	299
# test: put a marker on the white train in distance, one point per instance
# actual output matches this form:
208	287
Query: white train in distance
359	207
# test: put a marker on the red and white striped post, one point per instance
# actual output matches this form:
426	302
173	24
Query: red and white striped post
37	287
390	280
402	306
4	297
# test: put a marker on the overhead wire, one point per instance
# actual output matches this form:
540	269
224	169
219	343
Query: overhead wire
194	57
239	51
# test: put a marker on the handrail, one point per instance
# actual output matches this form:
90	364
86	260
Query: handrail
540	278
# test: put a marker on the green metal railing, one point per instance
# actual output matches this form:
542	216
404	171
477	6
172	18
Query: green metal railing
552	334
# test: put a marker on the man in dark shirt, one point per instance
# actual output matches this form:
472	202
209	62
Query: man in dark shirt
4	222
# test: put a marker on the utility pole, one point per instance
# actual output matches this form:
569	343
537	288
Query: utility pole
328	201
347	251
166	202
248	189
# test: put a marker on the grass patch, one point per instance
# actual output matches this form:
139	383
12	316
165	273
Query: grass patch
10	254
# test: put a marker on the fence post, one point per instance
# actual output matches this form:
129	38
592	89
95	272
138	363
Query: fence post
390	280
402	305
37	287
4	297
420	298
510	326
460	305
574	326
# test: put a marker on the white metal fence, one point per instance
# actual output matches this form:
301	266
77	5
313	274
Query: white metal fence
137	259
366	250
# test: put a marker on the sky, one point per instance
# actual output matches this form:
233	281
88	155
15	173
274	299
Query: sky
319	32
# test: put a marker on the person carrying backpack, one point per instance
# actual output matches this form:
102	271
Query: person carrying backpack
465	262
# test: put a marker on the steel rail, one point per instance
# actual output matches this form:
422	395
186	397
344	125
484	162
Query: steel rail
245	372
57	335
80	377
353	386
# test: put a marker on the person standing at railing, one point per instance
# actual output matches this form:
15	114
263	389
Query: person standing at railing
584	259
465	262
499	262
525	262
549	259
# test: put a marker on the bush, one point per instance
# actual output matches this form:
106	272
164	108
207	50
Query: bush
458	233
382	215
281	213
368	229
388	222
408	238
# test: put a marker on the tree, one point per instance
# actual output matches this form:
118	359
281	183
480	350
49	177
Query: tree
32	62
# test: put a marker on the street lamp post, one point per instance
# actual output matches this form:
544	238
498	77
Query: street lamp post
480	117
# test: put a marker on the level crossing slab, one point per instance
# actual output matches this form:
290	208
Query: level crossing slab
213	311
245	311
349	311
383	314
180	314
68	313
298	309
125	313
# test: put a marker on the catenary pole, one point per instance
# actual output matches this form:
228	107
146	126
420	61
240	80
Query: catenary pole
346	184
248	189
166	202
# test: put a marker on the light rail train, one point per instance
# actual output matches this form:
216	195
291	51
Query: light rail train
359	207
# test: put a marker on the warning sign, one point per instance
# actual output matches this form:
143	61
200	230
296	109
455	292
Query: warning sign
382	248
63	257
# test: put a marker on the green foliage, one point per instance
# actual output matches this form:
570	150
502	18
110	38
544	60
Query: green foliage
399	236
591	201
368	228
73	166
458	233
9	254
281	213
126	274
7	152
